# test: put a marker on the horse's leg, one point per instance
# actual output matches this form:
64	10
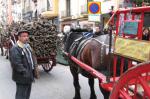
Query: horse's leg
75	82
7	56
2	50
91	84
6	53
105	93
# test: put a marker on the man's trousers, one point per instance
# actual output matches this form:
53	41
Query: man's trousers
23	91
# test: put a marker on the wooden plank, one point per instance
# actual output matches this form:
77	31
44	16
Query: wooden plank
138	50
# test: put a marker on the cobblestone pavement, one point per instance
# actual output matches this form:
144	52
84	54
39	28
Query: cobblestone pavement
54	85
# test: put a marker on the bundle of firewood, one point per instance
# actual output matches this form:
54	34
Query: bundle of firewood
43	37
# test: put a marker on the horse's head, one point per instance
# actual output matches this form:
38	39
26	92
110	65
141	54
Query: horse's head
71	37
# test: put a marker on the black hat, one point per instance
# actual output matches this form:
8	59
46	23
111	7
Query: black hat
23	31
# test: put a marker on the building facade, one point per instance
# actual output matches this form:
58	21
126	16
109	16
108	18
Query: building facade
75	12
16	10
72	12
3	12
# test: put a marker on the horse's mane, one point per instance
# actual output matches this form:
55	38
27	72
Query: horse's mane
73	35
79	30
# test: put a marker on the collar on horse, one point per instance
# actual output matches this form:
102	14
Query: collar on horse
77	46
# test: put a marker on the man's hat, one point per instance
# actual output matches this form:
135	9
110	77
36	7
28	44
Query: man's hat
23	31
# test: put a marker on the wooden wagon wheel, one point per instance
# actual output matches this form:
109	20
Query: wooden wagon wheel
133	84
48	66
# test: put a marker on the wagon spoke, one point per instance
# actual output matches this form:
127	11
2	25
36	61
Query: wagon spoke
48	66
145	86
50	62
124	94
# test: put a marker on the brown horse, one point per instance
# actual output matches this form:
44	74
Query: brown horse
93	52
7	42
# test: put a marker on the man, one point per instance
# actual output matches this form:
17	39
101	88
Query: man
23	63
97	32
13	37
146	34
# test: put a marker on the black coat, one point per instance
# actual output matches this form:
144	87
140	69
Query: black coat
21	69
97	34
145	37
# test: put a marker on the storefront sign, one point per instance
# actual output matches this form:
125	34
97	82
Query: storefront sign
94	18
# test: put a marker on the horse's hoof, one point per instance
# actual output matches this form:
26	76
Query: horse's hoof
77	98
93	97
6	57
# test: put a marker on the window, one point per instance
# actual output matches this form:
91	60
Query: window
49	5
68	7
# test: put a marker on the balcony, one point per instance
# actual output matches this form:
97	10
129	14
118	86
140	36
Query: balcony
65	16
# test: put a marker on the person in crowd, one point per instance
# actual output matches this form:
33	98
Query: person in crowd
105	31
97	32
146	34
23	64
13	37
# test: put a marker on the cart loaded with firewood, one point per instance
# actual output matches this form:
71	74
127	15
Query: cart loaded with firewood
43	40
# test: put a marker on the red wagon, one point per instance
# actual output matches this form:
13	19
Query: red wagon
133	82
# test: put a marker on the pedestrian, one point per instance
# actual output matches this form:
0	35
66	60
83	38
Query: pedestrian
97	32
146	34
13	37
23	65
105	31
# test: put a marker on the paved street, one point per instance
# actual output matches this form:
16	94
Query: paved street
54	85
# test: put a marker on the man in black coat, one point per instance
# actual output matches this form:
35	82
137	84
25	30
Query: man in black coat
23	63
146	34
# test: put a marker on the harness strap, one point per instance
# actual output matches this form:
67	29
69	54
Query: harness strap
74	46
77	46
101	42
81	46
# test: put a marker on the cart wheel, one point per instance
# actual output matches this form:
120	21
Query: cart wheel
48	67
133	84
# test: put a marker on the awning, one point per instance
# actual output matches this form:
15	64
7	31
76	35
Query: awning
49	14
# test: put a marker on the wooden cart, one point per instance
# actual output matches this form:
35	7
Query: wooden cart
47	62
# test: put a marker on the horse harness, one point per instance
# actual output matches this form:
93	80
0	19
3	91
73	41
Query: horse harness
103	48
77	46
